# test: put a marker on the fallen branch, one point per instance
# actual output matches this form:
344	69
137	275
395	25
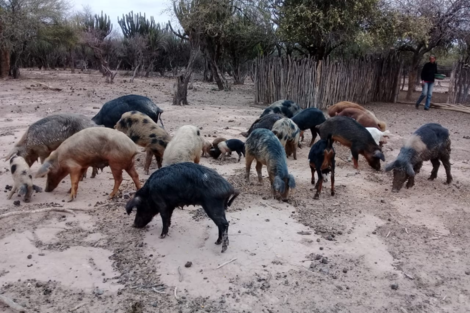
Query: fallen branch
41	211
223	264
44	86
180	274
409	276
176	297
12	304
77	307
157	291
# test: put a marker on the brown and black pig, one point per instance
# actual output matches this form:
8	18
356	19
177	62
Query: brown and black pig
96	147
264	147
145	133
429	142
350	133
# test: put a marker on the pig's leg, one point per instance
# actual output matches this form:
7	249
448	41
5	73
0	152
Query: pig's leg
197	159
159	159
355	156
248	160
314	135
117	174
259	165
148	161
312	169
446	162
165	213
435	167
94	172
221	222
332	181
133	174
295	151
417	167
12	192
239	156
75	175
319	184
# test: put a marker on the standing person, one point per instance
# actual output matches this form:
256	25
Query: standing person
427	82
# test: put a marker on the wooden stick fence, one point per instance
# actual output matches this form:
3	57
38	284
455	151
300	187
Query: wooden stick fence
459	85
320	84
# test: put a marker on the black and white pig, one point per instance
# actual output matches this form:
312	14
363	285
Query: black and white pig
229	146
287	108
183	184
112	111
429	142
264	147
22	179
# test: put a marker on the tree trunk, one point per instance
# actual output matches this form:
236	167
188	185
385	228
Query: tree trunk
4	63
72	61
180	96
135	72
413	74
222	83
208	77
14	69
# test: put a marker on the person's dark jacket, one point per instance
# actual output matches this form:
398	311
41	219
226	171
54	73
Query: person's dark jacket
428	72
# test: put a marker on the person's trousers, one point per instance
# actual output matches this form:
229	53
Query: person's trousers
426	93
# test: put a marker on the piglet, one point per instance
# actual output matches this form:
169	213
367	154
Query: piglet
429	142
184	184
322	160
22	178
97	147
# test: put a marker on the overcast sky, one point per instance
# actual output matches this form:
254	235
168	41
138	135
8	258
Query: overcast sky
159	9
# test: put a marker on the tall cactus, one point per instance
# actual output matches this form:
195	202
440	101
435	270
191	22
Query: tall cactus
99	25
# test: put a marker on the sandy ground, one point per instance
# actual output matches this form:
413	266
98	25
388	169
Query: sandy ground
336	254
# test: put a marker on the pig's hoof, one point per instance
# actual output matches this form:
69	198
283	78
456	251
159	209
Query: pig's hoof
218	242
316	197
332	192
71	199
163	236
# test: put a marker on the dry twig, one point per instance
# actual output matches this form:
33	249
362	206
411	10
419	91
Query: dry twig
10	303
180	274
223	264
176	297
77	307
42	211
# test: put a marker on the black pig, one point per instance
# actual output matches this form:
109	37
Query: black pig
429	142
309	119
112	111
322	160
266	122
350	133
182	184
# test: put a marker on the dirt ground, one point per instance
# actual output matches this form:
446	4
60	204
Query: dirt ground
337	254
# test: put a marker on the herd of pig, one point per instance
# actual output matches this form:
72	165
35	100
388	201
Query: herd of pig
68	144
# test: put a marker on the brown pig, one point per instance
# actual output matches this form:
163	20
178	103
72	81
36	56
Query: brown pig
97	147
364	118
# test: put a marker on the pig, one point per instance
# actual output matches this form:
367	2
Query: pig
322	160
429	142
264	147
226	147
378	137
186	146
111	112
45	135
95	146
22	178
206	148
364	118
286	108
350	133
266	122
340	106
288	134
215	151
182	184
309	119
145	133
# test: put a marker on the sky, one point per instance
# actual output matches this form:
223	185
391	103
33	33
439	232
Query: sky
159	9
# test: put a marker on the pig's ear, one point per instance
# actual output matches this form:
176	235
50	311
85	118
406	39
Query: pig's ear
134	202
379	154
409	170
44	169
390	166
